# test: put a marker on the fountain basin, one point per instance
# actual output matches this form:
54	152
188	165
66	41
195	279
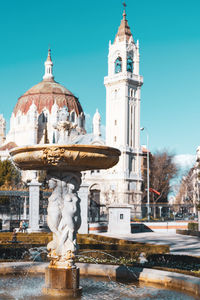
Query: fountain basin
148	277
65	157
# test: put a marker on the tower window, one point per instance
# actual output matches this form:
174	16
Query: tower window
130	64
115	139
118	65
115	122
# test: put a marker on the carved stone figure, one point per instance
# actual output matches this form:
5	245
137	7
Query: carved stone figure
54	213
64	218
70	221
64	127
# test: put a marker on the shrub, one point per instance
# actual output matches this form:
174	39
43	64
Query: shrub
193	226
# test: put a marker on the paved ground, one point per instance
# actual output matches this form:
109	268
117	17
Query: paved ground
179	244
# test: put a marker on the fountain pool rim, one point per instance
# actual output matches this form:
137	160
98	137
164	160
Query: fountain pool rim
150	277
65	157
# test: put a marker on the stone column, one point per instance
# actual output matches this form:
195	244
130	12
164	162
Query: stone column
160	208
83	195
198	219
34	198
25	204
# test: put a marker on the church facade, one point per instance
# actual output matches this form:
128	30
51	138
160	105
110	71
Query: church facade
36	113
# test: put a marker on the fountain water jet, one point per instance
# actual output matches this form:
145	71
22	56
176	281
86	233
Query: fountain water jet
64	163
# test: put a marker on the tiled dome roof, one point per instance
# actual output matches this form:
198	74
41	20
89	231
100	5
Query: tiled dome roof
44	95
8	146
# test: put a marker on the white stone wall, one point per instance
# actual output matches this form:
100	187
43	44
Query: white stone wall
29	128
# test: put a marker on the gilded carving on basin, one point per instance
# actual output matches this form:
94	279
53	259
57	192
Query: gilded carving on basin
53	155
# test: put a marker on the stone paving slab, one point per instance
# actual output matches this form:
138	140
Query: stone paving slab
179	244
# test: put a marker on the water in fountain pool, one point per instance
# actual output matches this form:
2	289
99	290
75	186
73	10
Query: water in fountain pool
29	288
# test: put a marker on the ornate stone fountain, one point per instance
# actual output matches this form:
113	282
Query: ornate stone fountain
64	162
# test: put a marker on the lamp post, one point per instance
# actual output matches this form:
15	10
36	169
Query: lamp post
148	200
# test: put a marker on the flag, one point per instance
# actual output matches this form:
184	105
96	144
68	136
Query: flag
154	191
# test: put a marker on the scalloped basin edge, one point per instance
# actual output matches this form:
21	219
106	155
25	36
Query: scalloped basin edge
65	157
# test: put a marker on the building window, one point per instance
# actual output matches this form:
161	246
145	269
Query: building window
130	64
115	122
121	216
72	117
43	118
54	138
118	65
115	139
131	92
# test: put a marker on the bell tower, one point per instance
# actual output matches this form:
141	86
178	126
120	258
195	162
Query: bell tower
123	85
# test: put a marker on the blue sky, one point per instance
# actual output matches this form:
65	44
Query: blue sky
78	33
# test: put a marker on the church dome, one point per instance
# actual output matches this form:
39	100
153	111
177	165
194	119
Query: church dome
46	93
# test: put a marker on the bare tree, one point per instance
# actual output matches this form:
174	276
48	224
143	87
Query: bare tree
189	190
162	171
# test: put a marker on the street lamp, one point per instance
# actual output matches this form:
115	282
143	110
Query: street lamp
148	202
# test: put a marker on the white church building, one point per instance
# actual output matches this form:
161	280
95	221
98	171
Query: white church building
36	113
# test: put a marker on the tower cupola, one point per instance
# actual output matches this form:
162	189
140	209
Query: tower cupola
48	68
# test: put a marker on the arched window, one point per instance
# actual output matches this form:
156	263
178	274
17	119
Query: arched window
73	116
94	203
43	118
130	64
118	65
54	138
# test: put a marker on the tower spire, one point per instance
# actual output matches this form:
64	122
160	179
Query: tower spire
124	12
48	67
124	31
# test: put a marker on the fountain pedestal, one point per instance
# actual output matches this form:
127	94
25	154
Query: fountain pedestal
64	164
64	220
62	282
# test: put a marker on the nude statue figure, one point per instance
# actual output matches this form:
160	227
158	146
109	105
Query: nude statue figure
54	214
71	219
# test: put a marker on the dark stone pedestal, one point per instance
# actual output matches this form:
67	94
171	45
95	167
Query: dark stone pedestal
62	282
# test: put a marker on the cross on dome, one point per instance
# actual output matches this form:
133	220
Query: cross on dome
48	68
